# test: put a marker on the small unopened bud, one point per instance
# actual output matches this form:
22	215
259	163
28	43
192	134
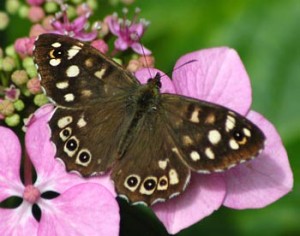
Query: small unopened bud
40	100
6	107
19	77
13	120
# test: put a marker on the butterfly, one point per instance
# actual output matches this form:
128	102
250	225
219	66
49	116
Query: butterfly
106	120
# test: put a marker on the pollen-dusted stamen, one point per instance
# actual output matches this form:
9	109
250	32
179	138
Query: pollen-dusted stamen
31	194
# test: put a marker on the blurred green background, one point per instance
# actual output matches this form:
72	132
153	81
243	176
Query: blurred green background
266	35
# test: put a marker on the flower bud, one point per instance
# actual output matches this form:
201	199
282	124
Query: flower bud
19	105
12	120
19	77
40	100
6	108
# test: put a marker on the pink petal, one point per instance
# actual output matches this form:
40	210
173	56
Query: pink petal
140	49
265	179
10	157
137	29
146	73
120	44
83	36
204	195
113	25
18	221
217	76
85	209
79	23
51	171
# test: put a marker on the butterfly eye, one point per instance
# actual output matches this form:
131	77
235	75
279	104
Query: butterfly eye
56	53
84	157
149	184
65	133
239	137
132	182
72	144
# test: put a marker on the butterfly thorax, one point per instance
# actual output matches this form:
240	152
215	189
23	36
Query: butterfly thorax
144	100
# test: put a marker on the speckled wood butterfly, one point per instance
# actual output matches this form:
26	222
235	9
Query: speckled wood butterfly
105	120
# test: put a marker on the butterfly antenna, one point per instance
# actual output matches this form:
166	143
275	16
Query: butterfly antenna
178	67
139	40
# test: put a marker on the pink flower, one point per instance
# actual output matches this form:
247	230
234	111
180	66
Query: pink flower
36	30
100	45
12	93
76	29
57	203
36	13
24	46
128	32
35	2
219	76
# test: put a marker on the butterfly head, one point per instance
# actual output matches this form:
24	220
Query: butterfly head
155	82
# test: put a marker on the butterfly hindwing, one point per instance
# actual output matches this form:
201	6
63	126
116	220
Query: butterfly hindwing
210	138
150	170
74	73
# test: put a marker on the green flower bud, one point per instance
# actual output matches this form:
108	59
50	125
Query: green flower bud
13	120
92	4
10	51
8	64
71	12
50	7
27	62
19	77
23	11
19	105
4	19
40	100
6	108
12	6
31	71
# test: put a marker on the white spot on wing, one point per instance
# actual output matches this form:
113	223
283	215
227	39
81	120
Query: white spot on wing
247	132
55	62
230	123
233	144
69	97
209	153
214	136
163	164
194	117
62	85
195	156
56	45
173	176
99	74
81	122
72	52
63	122
72	71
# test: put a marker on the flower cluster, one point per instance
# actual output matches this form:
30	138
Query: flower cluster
59	203
20	90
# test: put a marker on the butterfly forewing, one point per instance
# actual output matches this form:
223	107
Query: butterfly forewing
75	74
209	137
87	139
